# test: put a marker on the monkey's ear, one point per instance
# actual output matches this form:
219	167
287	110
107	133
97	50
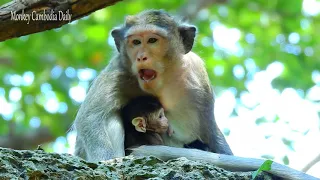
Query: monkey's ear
140	124
187	33
117	36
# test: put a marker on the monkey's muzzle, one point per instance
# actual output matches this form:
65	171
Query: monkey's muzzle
147	74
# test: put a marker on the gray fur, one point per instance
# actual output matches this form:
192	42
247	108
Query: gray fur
100	132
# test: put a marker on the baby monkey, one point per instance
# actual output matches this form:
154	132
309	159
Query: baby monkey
144	121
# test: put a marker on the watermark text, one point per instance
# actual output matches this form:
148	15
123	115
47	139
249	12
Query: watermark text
45	16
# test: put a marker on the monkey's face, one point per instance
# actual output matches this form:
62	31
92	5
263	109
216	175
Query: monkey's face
147	50
157	122
152	121
153	41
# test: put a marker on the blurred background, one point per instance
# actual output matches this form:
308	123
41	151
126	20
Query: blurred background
262	57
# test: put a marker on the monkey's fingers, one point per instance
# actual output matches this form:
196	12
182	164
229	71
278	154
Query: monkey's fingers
170	131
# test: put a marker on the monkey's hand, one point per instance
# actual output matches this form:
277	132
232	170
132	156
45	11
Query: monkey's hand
170	131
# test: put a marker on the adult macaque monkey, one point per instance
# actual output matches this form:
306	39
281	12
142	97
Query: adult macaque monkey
154	59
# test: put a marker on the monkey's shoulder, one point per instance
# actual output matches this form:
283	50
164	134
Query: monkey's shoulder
193	59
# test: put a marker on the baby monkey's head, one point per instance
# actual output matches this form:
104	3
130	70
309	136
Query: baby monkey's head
154	121
147	114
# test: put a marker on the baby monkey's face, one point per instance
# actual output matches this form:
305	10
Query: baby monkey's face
155	122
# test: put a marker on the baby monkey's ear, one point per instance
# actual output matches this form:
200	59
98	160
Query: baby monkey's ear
140	124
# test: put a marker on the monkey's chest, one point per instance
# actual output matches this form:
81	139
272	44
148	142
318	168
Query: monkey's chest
185	125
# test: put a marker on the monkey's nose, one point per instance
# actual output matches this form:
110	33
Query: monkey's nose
144	58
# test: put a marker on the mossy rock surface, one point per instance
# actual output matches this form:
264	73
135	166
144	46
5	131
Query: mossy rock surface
37	164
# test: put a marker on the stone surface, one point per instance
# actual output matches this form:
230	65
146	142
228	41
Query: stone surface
24	164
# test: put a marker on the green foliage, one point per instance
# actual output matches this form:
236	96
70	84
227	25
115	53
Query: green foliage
4	2
289	143
266	166
285	160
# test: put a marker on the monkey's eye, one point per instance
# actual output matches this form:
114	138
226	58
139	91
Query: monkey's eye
136	42
160	116
152	40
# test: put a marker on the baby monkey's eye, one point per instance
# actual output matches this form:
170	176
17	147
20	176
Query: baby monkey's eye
136	42
160	115
152	40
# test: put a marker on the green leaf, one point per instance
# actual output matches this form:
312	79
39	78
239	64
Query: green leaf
288	143
285	160
266	166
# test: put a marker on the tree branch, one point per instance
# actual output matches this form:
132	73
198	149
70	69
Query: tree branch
26	141
311	163
22	17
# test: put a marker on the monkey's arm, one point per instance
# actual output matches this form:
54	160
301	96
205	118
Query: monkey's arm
228	162
100	133
203	99
100	140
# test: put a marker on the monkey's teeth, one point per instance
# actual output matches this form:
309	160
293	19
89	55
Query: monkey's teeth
147	80
147	74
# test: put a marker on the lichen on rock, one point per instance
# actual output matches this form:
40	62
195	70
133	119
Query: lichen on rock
37	164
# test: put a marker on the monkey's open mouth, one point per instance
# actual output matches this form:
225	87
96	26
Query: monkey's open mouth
147	74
